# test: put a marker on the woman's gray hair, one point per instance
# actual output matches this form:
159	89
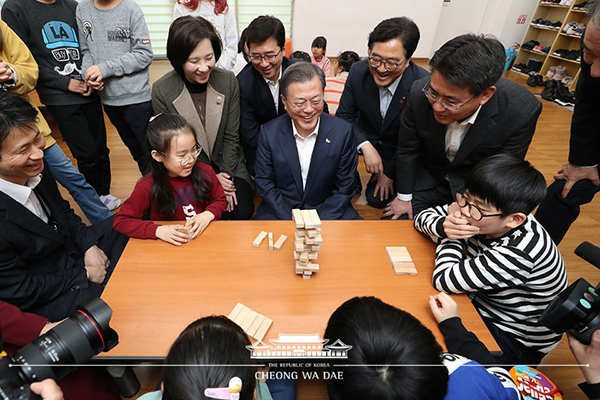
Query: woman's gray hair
300	72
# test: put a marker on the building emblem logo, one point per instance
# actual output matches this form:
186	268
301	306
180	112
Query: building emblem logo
299	346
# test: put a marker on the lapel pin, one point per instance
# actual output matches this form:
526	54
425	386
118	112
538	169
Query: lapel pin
327	140
402	100
219	100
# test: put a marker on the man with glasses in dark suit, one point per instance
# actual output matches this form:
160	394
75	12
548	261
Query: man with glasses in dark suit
465	112
374	97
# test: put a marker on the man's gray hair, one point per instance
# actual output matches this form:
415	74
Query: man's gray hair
300	72
593	10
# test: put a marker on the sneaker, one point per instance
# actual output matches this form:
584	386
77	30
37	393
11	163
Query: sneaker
559	75
567	80
580	6
569	25
537	22
110	201
575	28
530	45
556	25
551	72
538	48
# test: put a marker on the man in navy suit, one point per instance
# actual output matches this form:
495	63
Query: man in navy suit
305	159
259	81
50	262
374	97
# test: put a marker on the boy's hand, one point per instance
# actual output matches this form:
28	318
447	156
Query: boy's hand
456	226
443	307
174	234
77	86
589	355
6	73
198	223
93	74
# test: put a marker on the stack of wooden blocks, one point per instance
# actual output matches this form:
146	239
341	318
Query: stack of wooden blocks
307	241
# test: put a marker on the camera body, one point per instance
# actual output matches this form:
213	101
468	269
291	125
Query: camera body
54	354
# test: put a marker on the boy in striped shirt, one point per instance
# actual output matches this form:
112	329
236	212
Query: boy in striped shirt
491	247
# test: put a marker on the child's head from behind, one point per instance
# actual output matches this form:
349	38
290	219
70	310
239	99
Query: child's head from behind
215	341
501	184
300	55
318	47
172	145
384	336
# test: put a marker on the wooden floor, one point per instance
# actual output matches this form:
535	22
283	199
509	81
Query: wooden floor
548	152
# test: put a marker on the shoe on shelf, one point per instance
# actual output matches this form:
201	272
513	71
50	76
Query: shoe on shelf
567	80
110	201
546	49
551	72
530	45
580	6
537	22
572	55
568	26
559	75
556	25
560	53
538	48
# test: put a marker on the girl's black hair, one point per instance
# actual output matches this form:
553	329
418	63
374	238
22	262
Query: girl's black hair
161	130
215	341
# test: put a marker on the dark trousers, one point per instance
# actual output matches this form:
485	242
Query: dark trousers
513	352
82	127
557	214
112	243
438	195
375	201
245	207
131	122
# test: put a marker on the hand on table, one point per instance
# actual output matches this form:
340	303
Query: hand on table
396	208
373	162
197	224
572	174
443	307
589	355
174	234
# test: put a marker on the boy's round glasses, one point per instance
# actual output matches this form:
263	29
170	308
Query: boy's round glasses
474	211
188	159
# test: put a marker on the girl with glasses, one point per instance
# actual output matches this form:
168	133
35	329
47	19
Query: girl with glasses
178	187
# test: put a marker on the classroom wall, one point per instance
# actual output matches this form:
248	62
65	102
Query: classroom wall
346	23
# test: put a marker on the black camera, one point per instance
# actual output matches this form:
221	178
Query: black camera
53	355
577	308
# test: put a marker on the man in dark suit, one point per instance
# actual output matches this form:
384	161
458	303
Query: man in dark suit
374	97
50	262
259	81
465	112
578	181
305	159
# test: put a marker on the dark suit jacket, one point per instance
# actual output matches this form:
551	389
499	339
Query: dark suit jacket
505	124
40	266
257	108
330	184
219	138
584	149
359	105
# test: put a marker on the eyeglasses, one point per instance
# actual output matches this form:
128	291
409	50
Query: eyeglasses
389	66
475	212
447	105
267	57
315	103
187	159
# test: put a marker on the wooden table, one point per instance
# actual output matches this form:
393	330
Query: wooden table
157	289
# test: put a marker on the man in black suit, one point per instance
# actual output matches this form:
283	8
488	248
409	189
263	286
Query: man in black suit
578	181
465	112
50	262
259	81
374	97
305	159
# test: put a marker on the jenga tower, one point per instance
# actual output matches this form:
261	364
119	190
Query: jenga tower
307	241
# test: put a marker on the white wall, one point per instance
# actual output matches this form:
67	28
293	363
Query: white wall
513	32
347	23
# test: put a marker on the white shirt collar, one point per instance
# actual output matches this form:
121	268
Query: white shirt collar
314	132
472	118
393	86
270	82
20	193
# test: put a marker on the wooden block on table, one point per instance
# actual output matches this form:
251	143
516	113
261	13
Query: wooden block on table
315	247
251	331
307	219
264	327
298	218
236	311
398	253
300	233
312	255
313	267
309	240
303	257
404	268
297	255
306	277
298	246
270	241
245	324
312	233
261	236
242	315
318	239
314	217
280	242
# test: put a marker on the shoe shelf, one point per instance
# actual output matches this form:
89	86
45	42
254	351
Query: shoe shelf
555	38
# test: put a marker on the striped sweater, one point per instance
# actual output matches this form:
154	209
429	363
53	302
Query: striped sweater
510	280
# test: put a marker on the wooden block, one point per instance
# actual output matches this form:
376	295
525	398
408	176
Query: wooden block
264	327
297	255
242	315
298	218
312	233
404	268
318	239
298	246
314	218
315	247
245	324
270	241
236	311
300	233
307	219
280	242
399	253
312	255
261	236
251	331
304	257
309	240
306	277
